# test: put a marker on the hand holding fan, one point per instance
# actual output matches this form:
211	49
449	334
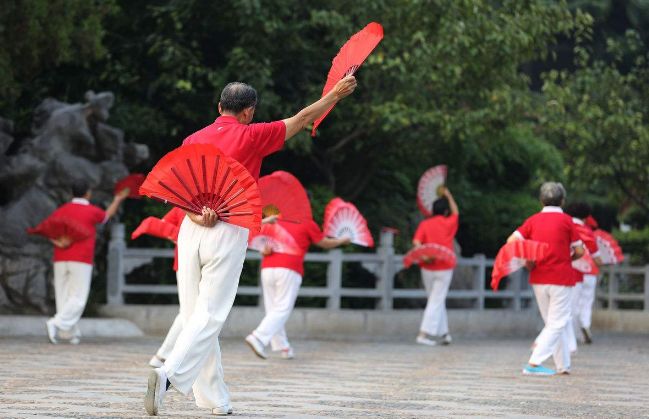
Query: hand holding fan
586	264
284	191
349	59
342	219
132	182
200	175
514	256
56	227
275	236
157	228
428	253
429	188
610	250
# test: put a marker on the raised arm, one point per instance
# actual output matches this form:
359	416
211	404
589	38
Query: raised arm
117	200
451	202
306	116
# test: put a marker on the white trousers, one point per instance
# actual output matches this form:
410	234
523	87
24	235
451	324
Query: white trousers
280	286
435	320
71	289
172	335
554	302
586	301
210	261
573	330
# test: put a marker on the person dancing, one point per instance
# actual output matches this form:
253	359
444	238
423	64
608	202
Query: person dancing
436	275
211	253
281	277
552	278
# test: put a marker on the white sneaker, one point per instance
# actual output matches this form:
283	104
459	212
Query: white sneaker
75	340
287	353
51	331
155	392
156	362
447	339
425	341
256	346
222	410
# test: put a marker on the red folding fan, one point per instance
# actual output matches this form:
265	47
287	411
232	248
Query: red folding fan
587	237
586	264
132	182
349	59
342	219
591	222
428	253
200	175
429	188
275	236
609	248
284	191
157	228
514	256
56	227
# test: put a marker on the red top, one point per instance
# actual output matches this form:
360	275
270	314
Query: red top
555	228
89	216
175	217
247	144
590	243
439	230
304	233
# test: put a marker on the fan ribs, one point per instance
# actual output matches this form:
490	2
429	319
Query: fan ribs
194	207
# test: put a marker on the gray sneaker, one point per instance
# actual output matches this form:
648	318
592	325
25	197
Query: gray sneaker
447	339
588	337
155	392
52	331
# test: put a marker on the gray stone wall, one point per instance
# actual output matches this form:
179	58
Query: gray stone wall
68	141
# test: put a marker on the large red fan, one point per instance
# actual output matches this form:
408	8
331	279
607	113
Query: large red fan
609	248
429	188
587	237
200	175
283	191
275	236
157	228
586	264
133	183
514	256
349	59
56	227
428	253
342	219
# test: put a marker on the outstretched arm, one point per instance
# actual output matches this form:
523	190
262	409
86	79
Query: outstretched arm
312	112
330	243
117	201
451	202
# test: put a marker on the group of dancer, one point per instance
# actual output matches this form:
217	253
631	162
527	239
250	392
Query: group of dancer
210	256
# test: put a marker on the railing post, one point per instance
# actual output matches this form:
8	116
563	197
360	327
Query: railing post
612	288
479	279
115	274
386	277
334	278
645	305
518	284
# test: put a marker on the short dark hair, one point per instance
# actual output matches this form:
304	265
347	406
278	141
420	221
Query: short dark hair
79	188
579	210
237	96
441	207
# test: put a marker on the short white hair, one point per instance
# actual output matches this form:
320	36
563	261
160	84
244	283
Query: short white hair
552	193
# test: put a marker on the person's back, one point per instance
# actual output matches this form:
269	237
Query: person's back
88	216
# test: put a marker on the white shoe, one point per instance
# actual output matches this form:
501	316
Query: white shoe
75	340
51	331
256	346
425	341
447	339
155	392
222	410
156	362
287	353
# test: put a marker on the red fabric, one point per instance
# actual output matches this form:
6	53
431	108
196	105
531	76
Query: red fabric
57	227
284	191
439	230
426	253
587	265
200	175
559	232
514	256
88	216
247	144
133	183
304	234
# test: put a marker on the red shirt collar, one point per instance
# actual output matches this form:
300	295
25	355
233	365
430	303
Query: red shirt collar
226	119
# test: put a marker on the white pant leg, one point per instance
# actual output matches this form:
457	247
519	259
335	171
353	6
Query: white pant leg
72	279
434	321
573	330
172	335
588	290
554	305
209	265
279	341
285	284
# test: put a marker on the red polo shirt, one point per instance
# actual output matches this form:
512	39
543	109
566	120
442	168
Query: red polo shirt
439	230
247	144
304	233
89	216
555	228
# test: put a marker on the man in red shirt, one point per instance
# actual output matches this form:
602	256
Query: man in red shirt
211	254
552	278
436	275
73	262
281	276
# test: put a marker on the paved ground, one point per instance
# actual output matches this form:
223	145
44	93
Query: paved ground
107	378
